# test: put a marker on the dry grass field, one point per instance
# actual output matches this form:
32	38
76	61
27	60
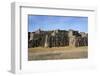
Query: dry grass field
41	53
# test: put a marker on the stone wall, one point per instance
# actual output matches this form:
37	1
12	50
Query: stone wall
57	38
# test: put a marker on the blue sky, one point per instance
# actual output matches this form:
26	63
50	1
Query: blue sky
43	22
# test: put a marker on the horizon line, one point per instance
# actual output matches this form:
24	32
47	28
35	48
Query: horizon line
57	29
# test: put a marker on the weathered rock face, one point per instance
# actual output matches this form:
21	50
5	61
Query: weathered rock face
77	39
57	38
46	42
31	36
72	41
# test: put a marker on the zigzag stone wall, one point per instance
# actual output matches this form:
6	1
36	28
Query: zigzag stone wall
57	38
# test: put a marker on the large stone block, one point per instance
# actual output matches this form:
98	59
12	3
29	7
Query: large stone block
46	42
72	41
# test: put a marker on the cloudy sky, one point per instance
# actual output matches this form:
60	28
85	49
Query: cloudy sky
36	22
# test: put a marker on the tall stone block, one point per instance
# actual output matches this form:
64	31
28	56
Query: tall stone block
72	41
46	42
71	38
70	33
31	36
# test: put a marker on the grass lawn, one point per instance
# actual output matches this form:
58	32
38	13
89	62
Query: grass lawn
40	53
